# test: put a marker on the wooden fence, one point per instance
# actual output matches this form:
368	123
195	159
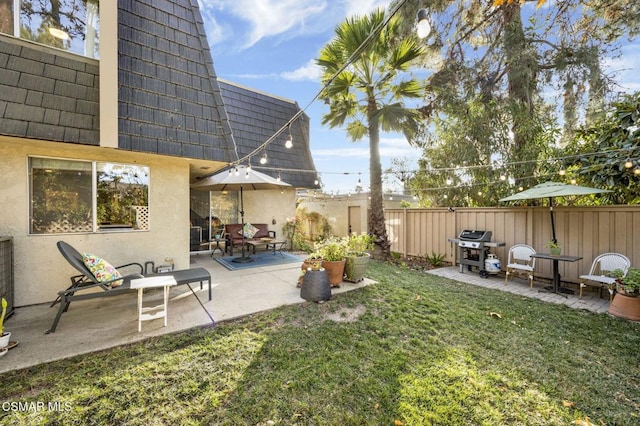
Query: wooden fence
581	231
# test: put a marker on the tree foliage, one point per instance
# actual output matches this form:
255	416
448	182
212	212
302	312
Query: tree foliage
366	83
509	83
616	139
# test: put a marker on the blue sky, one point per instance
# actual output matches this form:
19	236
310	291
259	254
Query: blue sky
270	46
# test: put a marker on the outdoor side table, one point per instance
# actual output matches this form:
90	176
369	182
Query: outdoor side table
153	312
556	288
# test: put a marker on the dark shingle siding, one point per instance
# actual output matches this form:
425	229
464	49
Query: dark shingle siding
255	117
166	91
49	95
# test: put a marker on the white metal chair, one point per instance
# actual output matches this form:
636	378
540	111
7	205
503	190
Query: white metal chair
600	273
520	261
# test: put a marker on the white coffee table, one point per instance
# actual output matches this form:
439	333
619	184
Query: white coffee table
153	312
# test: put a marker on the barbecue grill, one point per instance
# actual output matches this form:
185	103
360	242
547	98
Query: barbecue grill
474	247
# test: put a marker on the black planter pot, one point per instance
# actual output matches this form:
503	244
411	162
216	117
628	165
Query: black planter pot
315	286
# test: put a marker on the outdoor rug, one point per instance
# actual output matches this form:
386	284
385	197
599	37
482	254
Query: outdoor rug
259	260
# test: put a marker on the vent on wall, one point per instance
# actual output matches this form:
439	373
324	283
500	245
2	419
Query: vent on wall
6	271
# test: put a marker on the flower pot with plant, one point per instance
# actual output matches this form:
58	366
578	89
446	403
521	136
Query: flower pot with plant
312	262
554	248
334	252
626	302
358	257
4	335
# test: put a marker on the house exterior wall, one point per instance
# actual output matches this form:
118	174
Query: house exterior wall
336	209
266	205
153	99
39	269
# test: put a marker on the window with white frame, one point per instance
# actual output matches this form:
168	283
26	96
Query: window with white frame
62	194
72	25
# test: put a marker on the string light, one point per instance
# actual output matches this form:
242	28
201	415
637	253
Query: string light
263	159
628	163
289	141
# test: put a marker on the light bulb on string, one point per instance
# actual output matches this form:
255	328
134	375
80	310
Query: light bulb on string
237	171
628	163
278	178
503	178
263	159
423	28
449	181
573	181
636	171
288	143
562	172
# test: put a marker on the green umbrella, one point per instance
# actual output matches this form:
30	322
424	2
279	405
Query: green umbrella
550	190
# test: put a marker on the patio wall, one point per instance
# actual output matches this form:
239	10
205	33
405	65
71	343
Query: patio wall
582	231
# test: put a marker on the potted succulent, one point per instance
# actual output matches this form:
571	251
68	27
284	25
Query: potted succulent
334	253
4	335
626	302
554	247
358	257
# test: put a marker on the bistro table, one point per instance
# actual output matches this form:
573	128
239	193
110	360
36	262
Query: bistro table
555	259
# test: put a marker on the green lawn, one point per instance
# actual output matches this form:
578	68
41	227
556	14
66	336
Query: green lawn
414	349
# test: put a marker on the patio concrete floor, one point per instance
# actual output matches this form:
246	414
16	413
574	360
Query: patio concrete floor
99	324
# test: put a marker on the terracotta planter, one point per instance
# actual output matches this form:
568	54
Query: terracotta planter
355	268
625	307
335	271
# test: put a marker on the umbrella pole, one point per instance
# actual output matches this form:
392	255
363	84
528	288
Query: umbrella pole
243	258
553	224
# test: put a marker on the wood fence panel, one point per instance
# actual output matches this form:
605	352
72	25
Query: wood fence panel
582	231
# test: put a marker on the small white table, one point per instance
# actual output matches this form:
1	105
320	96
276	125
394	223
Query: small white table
153	312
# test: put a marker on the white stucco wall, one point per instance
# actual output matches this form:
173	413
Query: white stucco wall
264	206
336	210
39	269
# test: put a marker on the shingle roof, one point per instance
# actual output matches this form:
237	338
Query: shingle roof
169	98
47	95
255	117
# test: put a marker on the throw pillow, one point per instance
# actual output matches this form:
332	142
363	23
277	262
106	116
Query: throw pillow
101	269
248	230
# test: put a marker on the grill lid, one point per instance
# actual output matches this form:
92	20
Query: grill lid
481	236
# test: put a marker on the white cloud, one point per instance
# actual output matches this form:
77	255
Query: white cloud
389	148
309	71
362	7
246	22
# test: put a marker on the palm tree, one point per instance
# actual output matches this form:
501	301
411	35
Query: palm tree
363	69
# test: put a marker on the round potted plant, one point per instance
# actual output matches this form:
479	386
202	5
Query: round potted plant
358	256
334	253
312	262
554	248
626	302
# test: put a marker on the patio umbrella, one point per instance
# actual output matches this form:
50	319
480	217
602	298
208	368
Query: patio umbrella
550	190
244	179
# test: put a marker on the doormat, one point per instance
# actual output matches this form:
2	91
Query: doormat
262	259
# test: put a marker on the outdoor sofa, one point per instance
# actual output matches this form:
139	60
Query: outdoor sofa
233	234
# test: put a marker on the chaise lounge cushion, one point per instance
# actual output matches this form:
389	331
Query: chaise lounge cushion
101	269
